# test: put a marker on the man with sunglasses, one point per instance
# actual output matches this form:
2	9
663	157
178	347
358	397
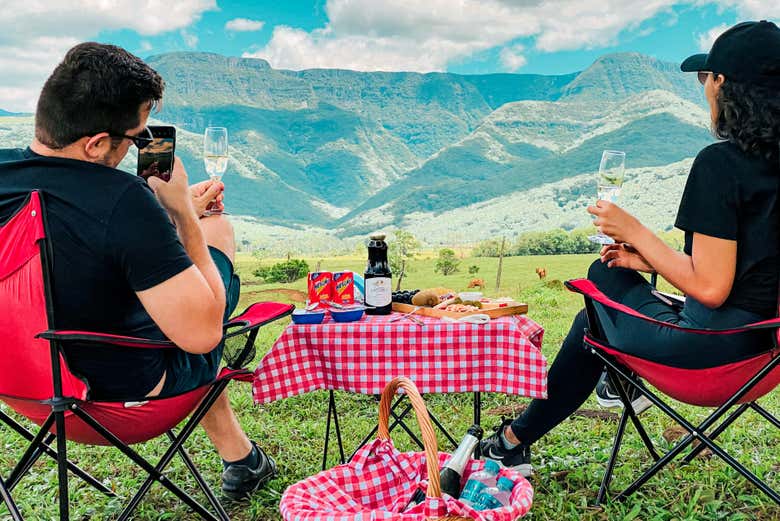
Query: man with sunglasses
131	258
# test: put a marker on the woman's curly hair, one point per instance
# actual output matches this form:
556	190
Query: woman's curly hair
749	116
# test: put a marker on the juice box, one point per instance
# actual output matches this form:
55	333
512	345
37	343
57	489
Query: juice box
343	287
320	285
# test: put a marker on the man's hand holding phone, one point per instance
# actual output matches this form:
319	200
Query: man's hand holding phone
174	195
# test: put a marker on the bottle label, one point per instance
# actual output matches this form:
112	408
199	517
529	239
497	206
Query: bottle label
488	502
378	291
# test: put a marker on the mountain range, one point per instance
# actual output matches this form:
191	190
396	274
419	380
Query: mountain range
343	153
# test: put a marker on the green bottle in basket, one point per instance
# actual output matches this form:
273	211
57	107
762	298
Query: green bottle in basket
453	470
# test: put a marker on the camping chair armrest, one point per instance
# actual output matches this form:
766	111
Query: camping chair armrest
104	338
256	315
237	354
253	317
590	291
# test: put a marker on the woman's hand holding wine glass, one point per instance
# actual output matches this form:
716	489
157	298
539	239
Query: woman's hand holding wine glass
612	170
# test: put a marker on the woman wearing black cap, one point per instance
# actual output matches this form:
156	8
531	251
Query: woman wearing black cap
729	266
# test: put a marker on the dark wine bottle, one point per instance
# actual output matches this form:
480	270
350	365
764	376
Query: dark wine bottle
378	278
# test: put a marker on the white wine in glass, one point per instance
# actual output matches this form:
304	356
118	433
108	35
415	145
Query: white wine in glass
215	155
612	170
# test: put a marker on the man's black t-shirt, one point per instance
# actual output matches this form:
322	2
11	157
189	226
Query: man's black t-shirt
110	238
733	195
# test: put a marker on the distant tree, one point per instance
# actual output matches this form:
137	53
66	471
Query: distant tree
401	250
579	242
555	242
446	263
287	271
488	248
473	269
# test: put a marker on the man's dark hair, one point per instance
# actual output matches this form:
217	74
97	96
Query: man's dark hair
749	116
96	88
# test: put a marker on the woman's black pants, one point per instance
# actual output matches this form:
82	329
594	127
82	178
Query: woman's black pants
575	371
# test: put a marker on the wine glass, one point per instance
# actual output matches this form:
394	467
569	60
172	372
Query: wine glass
611	172
215	156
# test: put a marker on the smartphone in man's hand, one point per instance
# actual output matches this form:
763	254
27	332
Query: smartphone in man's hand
156	159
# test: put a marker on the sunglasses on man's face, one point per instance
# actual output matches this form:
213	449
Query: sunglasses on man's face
142	140
703	76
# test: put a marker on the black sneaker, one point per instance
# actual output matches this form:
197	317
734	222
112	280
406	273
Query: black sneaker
518	459
609	397
240	481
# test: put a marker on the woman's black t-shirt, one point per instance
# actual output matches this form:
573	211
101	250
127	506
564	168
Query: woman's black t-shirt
733	195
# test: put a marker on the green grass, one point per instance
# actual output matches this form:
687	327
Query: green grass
569	460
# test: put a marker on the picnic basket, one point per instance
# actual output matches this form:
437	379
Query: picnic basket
379	481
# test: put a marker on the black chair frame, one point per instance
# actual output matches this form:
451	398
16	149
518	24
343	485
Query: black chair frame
40	444
704	433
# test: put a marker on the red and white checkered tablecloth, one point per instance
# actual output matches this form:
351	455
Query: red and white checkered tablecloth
502	356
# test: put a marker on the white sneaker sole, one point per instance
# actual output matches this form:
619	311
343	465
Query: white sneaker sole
640	404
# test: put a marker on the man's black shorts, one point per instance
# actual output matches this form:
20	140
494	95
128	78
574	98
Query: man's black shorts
185	371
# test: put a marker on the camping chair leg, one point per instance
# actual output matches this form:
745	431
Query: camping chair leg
16	473
716	432
658	465
763	412
604	488
9	502
629	408
741	469
199	479
25	465
24	433
154	473
194	420
62	465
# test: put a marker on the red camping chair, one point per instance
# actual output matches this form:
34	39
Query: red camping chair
37	383
734	386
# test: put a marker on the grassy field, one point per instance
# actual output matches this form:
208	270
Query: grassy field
569	460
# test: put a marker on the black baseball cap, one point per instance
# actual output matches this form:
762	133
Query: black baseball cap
749	52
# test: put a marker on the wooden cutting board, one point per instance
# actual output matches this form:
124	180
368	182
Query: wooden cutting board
517	309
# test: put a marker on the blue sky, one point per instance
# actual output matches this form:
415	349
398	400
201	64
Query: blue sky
462	36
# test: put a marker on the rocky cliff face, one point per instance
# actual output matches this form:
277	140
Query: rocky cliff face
352	150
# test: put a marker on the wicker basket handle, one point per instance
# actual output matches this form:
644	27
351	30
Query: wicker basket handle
426	428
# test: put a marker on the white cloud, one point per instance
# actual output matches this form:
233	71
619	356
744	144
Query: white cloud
511	57
426	36
146	46
244	25
190	40
707	39
44	30
750	9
